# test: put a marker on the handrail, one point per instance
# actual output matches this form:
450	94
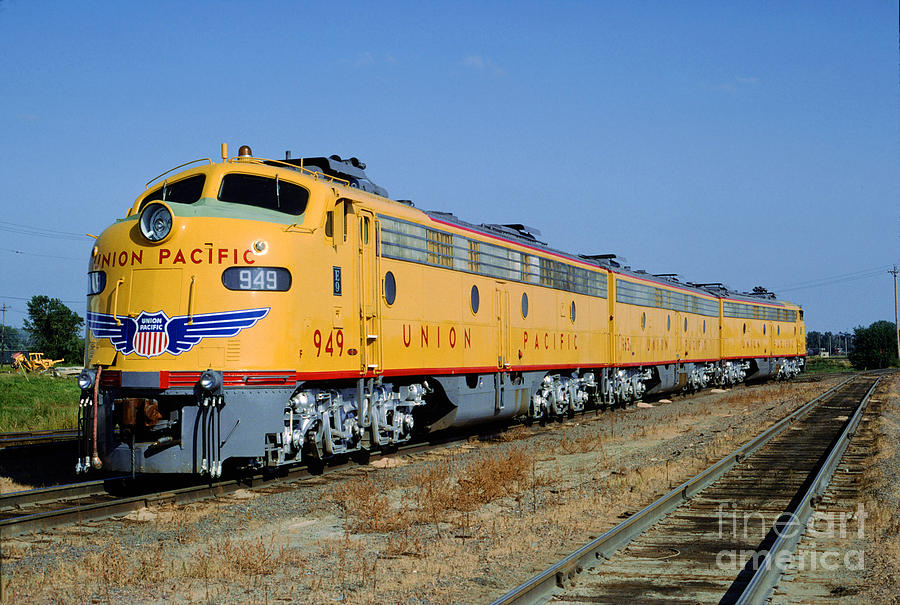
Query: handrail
116	301
176	168
191	300
301	168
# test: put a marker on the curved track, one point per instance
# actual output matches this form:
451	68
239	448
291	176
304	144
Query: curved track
691	545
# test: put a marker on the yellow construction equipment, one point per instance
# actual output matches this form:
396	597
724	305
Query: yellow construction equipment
33	362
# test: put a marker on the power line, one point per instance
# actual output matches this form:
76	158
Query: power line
29	298
22	252
834	279
839	276
39	231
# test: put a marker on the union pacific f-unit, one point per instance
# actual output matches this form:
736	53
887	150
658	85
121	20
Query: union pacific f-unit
256	312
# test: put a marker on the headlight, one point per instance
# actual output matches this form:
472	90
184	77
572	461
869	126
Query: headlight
86	379
209	380
156	222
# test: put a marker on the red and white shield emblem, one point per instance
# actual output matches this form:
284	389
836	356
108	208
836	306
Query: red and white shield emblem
151	338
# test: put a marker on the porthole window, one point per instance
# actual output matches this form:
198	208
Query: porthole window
475	299
524	305
643	320
669	323
572	312
390	288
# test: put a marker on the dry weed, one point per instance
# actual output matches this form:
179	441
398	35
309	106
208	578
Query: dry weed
582	445
407	543
239	560
513	434
8	486
435	492
367	507
491	476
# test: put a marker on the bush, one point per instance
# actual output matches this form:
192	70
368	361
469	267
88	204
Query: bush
874	347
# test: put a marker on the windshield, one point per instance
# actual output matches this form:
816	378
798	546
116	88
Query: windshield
263	192
185	191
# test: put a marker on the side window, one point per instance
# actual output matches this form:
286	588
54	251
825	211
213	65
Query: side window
347	208
329	223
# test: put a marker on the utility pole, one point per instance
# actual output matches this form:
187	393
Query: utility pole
896	316
3	335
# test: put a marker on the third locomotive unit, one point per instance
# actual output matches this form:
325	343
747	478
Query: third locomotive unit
257	312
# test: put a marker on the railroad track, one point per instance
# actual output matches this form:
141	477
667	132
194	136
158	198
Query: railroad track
715	537
45	508
31	438
839	519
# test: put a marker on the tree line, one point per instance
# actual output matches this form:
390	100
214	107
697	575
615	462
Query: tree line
51	327
834	343
867	348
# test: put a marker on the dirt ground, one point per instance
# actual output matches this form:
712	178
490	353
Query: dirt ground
881	578
457	525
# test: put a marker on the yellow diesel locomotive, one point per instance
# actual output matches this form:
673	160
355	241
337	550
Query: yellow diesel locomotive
256	312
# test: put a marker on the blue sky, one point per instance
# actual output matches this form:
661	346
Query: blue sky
749	143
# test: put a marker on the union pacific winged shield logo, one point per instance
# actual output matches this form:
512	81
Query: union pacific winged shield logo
152	334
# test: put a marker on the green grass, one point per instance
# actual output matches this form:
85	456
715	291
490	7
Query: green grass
37	402
827	365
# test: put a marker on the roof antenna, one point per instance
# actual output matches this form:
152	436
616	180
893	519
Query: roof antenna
287	154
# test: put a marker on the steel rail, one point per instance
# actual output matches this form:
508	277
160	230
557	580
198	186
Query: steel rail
769	572
539	587
37	437
30	522
13	500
